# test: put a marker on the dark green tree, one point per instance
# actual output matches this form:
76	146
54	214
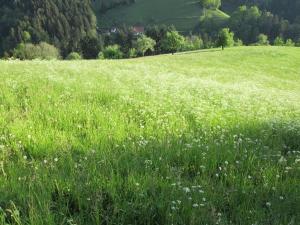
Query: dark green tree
59	22
172	42
226	38
90	47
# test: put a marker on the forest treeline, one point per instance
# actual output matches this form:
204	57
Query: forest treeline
62	23
64	27
287	9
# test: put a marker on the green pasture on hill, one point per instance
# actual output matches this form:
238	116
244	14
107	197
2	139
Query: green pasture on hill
183	14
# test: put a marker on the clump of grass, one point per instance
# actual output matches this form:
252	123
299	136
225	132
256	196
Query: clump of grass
198	138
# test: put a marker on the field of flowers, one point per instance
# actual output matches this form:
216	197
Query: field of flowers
210	137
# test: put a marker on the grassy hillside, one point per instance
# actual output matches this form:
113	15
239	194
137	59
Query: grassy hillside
196	138
184	14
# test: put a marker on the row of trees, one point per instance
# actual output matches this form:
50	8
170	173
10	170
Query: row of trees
70	29
157	40
288	9
168	40
226	38
127	45
247	22
124	43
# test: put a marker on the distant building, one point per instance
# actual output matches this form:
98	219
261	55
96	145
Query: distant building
113	30
138	30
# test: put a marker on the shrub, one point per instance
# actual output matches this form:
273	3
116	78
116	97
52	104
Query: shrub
112	52
40	51
48	51
192	43
74	56
6	56
290	43
238	42
208	41
100	55
132	53
90	47
278	41
262	39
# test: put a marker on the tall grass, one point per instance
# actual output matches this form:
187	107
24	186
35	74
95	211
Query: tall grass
204	138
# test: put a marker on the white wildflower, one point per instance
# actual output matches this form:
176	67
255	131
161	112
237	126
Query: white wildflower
186	189
195	205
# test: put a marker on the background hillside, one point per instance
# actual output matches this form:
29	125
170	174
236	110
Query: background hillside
84	26
288	9
183	14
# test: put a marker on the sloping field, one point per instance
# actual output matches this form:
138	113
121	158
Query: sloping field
208	137
184	14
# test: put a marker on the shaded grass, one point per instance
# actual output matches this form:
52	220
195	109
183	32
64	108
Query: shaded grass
204	138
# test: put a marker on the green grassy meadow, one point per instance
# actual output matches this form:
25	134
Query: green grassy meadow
207	137
184	14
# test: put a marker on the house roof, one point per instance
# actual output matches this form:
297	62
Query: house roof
138	29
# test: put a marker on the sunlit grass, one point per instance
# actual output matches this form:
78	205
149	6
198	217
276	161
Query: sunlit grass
211	137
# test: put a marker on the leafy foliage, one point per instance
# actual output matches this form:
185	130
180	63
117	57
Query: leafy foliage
144	44
226	38
278	41
112	52
74	56
157	33
36	51
262	39
61	23
90	47
192	43
172	42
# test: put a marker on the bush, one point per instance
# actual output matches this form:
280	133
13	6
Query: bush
100	55
262	39
74	56
132	53
48	51
290	43
6	56
112	52
192	43
40	51
238	42
279	41
90	47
